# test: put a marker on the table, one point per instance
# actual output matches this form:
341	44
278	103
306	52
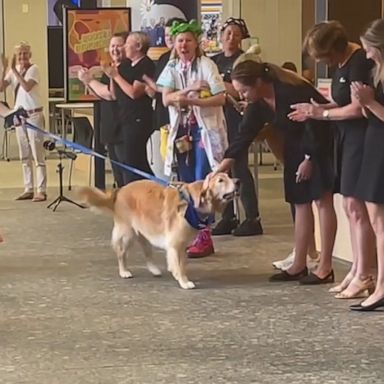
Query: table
71	107
52	101
97	146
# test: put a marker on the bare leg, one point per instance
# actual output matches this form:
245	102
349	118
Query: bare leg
328	226
303	231
312	252
352	272
376	216
363	236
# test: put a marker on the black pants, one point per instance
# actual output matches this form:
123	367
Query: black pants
248	195
118	173
133	149
241	171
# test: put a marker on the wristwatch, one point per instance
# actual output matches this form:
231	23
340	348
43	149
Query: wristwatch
326	114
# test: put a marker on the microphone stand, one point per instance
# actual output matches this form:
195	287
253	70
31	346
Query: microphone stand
60	168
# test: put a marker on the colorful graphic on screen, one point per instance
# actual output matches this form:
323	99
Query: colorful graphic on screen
87	33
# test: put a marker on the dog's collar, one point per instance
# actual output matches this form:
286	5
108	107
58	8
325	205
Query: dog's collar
194	218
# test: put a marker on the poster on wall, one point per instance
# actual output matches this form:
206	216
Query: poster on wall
87	33
150	16
211	11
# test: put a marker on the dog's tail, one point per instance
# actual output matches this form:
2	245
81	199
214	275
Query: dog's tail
98	199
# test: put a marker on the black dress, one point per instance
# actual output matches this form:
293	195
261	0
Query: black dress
370	184
313	137
349	139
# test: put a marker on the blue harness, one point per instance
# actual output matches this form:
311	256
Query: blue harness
194	219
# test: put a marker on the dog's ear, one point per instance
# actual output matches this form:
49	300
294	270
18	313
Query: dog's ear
197	193
206	183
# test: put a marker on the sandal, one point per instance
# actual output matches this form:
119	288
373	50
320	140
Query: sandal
39	197
343	285
25	196
358	288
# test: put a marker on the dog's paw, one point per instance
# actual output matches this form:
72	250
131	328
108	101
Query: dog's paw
187	284
125	274
153	269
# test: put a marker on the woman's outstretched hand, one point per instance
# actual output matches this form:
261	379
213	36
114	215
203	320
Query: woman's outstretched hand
304	111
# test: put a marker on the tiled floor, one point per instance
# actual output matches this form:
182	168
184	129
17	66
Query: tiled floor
66	317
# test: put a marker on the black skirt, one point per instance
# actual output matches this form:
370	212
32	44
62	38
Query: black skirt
321	181
349	150
370	184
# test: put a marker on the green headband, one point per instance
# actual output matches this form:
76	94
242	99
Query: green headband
192	27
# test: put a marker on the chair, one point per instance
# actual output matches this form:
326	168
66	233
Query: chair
83	135
6	137
6	142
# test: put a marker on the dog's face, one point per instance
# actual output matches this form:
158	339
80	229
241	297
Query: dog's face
221	188
215	193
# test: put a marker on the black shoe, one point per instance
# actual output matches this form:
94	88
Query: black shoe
249	227
225	227
367	308
313	279
285	276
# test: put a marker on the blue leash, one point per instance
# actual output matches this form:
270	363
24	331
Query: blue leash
90	152
191	214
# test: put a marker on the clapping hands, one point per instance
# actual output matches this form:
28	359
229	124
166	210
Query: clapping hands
110	70
363	93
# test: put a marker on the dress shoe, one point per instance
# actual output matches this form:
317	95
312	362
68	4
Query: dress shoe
285	276
313	279
25	196
249	227
367	308
40	196
225	227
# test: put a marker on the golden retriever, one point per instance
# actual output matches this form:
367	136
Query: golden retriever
154	215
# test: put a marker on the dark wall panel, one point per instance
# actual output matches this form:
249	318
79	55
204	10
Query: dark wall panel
355	15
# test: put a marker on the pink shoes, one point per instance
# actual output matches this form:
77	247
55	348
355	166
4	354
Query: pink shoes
202	246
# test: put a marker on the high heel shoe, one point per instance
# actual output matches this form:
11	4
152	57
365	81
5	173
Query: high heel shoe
367	308
358	288
343	285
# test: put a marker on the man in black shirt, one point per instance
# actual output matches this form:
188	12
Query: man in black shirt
233	31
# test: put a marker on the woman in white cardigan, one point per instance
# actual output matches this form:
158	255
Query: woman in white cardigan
194	93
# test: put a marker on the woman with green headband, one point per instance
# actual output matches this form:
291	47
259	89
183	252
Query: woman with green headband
193	91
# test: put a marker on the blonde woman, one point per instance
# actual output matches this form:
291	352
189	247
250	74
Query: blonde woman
193	91
24	78
370	184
